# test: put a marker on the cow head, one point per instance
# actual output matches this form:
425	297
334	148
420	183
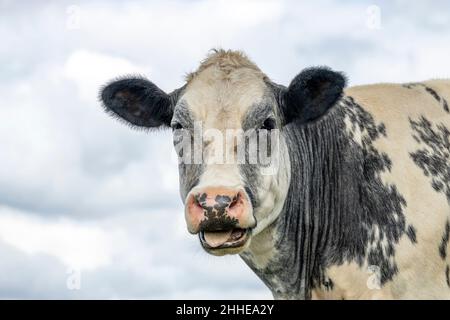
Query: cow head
228	122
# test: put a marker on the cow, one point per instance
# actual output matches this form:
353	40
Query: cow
358	206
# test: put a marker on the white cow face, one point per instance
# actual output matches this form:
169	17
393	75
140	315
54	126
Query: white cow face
227	124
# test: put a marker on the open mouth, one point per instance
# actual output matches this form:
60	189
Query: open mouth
234	238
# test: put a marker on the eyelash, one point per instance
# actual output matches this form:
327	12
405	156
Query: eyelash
176	126
269	124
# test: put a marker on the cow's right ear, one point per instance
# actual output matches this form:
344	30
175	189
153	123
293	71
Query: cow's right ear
311	94
138	102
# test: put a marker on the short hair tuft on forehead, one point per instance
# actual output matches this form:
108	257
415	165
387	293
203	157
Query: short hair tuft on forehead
227	61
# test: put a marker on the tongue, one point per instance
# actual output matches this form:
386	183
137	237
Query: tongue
216	239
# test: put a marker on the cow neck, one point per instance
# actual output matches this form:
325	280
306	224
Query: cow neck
320	195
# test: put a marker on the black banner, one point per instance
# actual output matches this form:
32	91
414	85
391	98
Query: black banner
209	309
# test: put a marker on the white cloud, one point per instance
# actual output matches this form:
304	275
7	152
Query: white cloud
90	70
76	246
66	155
134	255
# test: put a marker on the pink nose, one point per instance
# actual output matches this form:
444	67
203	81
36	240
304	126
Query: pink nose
217	208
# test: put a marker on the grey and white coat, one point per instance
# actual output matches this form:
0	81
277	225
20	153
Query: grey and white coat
360	205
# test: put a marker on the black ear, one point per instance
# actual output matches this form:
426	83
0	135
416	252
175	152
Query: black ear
137	101
311	94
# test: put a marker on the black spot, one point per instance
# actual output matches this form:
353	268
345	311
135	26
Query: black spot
444	241
376	257
377	202
382	129
433	155
215	216
446	106
222	202
338	209
411	233
328	284
202	198
437	185
447	275
433	158
390	250
432	92
412	85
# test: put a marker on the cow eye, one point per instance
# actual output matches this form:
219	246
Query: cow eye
176	126
269	124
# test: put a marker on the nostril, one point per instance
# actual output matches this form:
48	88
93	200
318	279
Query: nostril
197	203
234	202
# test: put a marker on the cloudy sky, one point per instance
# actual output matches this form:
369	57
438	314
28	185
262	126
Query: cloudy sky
90	208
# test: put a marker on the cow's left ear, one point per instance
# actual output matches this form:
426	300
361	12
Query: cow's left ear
311	94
